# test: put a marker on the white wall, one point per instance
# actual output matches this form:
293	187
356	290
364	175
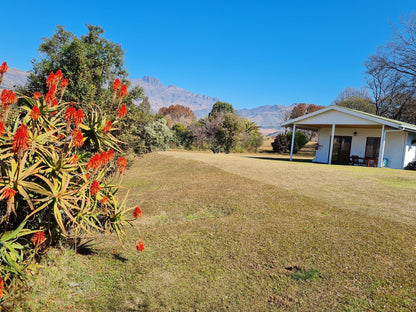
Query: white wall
410	153
394	148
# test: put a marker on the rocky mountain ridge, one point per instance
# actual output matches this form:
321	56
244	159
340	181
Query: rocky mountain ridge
266	117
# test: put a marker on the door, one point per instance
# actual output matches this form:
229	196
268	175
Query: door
372	147
341	149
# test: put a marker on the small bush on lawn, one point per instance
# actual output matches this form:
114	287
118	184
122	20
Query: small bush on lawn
59	174
303	275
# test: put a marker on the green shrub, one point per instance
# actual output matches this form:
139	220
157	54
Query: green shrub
300	141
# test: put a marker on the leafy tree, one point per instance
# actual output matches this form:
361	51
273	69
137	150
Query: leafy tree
230	130
178	114
91	63
221	108
182	136
251	138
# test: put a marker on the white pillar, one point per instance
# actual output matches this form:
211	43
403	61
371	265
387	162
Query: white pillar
293	141
332	144
382	145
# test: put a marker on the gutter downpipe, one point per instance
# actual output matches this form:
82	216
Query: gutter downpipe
383	144
332	144
293	141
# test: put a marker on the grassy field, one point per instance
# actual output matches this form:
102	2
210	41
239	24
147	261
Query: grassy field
247	233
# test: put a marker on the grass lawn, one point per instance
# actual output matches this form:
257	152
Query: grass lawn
247	233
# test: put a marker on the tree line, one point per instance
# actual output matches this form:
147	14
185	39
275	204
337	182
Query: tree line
91	63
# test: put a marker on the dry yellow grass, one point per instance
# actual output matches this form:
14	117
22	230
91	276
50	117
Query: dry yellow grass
381	192
230	239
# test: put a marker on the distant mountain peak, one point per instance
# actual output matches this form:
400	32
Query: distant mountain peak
152	81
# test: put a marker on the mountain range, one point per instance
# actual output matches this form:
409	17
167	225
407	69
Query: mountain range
267	117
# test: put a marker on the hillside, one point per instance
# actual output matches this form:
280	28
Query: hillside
267	117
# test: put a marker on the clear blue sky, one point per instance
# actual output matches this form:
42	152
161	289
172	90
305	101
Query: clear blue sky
248	53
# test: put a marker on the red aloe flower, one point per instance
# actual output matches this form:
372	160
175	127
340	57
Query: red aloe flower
35	113
77	137
123	92
58	76
7	193
38	238
79	117
137	212
20	139
3	68
121	164
123	111
110	155
94	162
54	102
116	84
8	97
50	96
104	200
95	187
2	128
51	79
36	95
64	83
140	245
70	114
1	287
107	127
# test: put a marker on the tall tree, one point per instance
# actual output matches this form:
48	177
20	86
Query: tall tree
221	107
391	73
90	62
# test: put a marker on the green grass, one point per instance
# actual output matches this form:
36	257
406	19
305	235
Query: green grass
223	233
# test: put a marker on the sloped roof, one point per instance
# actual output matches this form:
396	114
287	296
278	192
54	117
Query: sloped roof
352	112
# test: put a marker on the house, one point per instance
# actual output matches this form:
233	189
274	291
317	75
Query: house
347	136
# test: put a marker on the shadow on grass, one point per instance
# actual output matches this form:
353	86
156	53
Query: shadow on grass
279	159
120	258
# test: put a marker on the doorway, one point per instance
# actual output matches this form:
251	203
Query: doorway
341	149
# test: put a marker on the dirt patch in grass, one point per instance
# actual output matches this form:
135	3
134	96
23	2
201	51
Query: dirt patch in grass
217	240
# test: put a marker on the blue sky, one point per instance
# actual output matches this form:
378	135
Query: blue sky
248	53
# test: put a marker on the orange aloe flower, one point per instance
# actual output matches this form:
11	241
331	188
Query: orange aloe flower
38	238
137	212
8	97
121	164
79	117
110	155
64	83
116	84
70	114
122	112
3	68
140	245
20	139
95	187
107	127
7	193
37	95
123	92
35	113
2	128
77	138
104	200
1	287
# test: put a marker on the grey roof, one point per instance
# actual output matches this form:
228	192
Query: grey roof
382	120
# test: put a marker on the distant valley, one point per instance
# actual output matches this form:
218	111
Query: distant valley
267	117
